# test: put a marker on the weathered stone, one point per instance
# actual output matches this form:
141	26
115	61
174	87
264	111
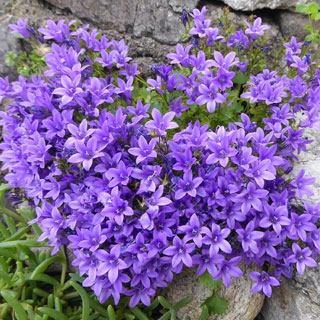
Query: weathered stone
242	304
251	5
156	18
292	24
5	6
296	299
7	43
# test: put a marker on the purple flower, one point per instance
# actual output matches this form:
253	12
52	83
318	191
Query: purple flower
221	151
145	150
300	64
277	218
263	282
193	231
299	224
70	89
160	124
184	161
111	263
301	184
120	175
261	171
207	262
157	200
301	258
181	56
118	208
180	252
225	62
86	153
223	79
21	28
210	97
257	29
92	239
216	239
250	197
187	185
248	237
177	107
227	269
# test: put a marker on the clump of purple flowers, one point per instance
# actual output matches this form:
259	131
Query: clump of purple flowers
138	193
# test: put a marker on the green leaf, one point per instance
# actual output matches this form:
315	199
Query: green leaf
312	8
44	278
85	300
239	78
301	8
309	28
15	305
19	234
53	313
313	37
152	306
207	281
216	305
128	316
317	16
5	277
205	313
76	277
166	316
28	243
111	313
182	303
164	302
97	307
139	314
44	265
11	224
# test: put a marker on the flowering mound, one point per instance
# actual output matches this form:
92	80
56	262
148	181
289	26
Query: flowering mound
139	192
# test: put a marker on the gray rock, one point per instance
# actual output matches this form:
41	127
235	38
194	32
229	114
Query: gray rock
291	24
156	18
5	6
296	299
7	43
251	5
242	304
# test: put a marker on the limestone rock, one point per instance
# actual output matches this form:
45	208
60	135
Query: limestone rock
296	299
242	304
310	162
156	18
291	24
7	43
5	6
251	5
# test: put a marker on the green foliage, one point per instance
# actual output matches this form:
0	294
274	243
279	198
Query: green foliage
313	11
213	304
26	64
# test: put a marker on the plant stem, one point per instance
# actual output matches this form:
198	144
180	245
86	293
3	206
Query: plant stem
64	267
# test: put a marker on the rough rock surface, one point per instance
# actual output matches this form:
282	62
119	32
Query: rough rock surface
242	304
7	42
159	18
291	24
251	5
296	299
